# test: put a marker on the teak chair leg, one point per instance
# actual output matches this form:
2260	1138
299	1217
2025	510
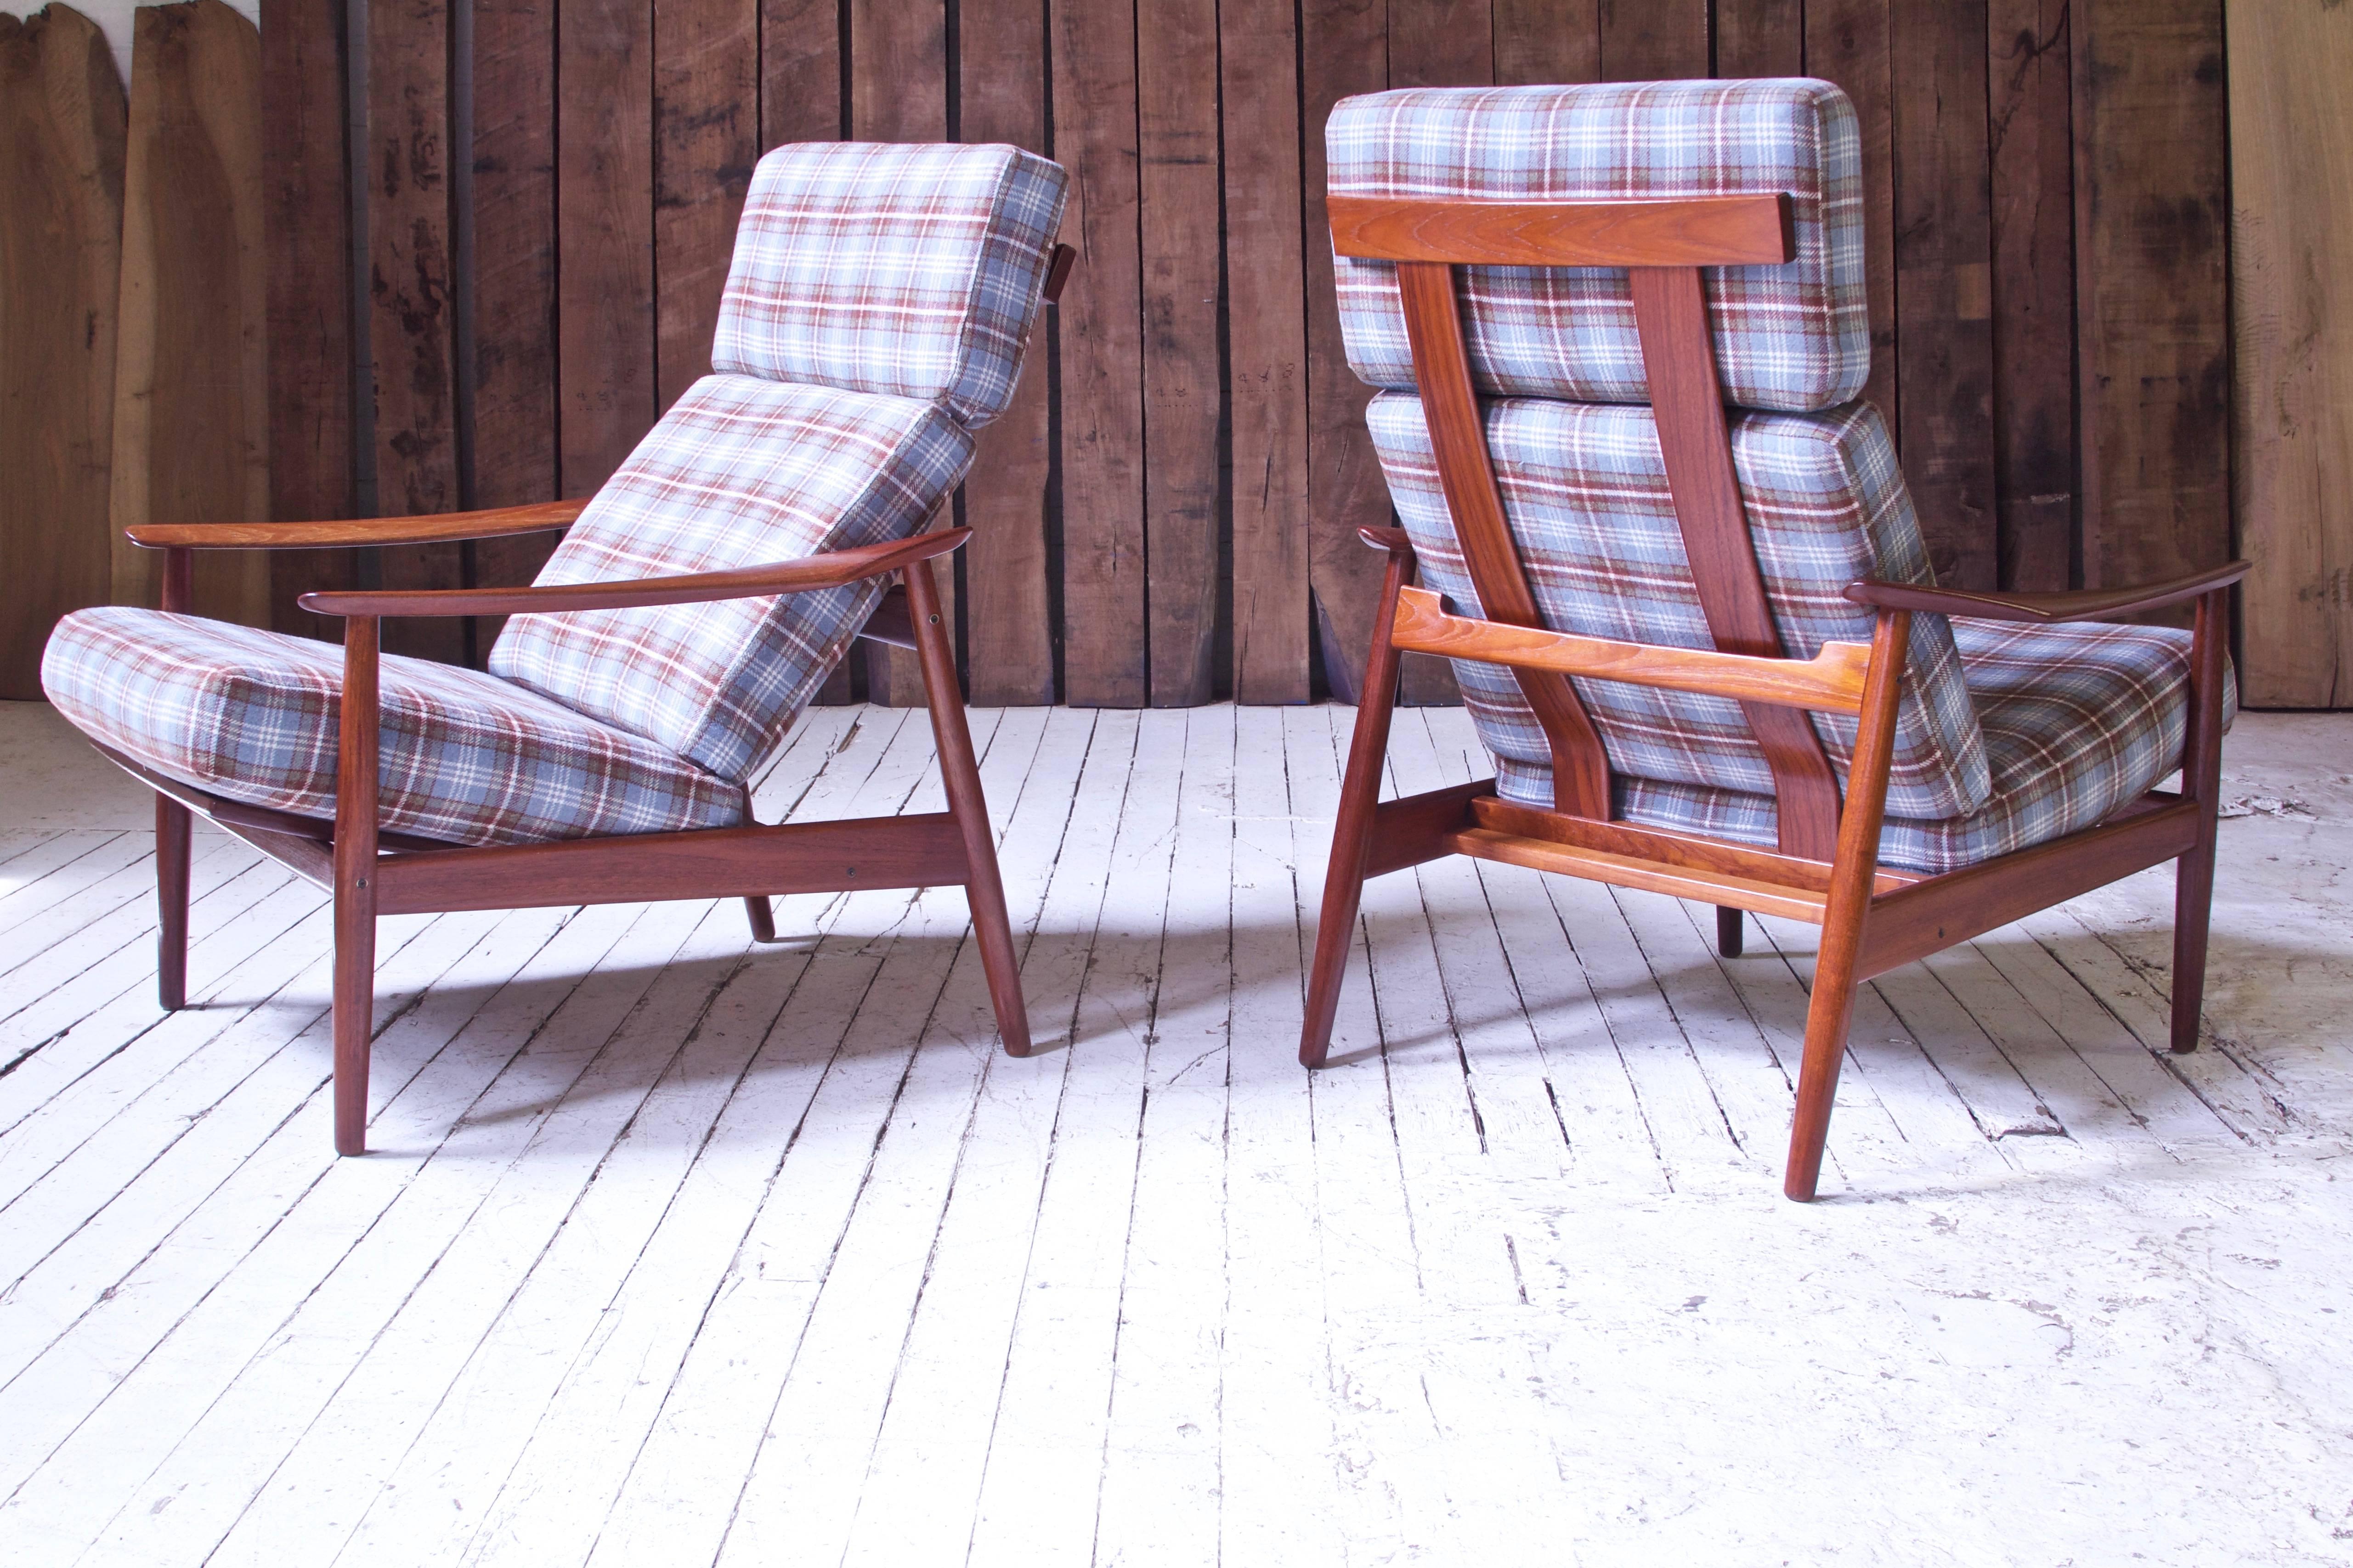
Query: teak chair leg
356	853
1853	875
172	903
2202	781
762	916
984	889
1728	931
1352	835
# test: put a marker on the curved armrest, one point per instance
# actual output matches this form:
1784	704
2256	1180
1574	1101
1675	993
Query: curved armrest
2044	609
833	570
1396	540
442	528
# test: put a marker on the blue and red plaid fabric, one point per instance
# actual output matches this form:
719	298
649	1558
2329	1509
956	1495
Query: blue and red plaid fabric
2078	720
739	472
1586	494
1792	338
465	757
908	270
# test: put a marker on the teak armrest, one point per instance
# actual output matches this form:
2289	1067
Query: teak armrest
442	528
2045	609
834	569
1396	540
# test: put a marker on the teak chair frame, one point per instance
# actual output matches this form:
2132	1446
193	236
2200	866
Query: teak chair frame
1825	869
372	872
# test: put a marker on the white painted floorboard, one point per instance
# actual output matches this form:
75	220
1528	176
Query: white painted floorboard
675	1248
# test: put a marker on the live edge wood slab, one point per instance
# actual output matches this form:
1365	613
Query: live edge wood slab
1825	869
374	872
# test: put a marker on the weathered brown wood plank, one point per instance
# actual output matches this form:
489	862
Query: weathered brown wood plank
605	280
1943	286
898	92
515	457
62	124
2152	298
2032	180
1847	43
1654	40
1176	188
706	135
1548	42
1008	621
191	384
1101	353
1267	350
1759	38
306	193
2292	284
412	320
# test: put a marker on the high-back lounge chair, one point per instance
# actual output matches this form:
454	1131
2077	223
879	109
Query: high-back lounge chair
1619	336
875	316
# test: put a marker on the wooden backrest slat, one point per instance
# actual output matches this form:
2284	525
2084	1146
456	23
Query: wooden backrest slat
1442	372
1708	231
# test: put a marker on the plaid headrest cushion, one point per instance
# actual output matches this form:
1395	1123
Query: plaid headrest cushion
906	269
1792	339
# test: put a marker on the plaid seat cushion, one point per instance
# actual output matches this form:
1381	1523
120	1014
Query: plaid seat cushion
1791	338
251	716
739	472
2078	720
906	269
1586	494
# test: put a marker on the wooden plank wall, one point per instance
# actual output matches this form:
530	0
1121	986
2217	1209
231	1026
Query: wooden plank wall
1167	515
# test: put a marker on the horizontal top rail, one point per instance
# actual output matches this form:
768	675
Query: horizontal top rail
1703	231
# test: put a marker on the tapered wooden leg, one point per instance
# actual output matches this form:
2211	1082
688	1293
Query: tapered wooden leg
991	926
763	917
172	903
1728	931
1352	835
1852	874
2202	781
355	833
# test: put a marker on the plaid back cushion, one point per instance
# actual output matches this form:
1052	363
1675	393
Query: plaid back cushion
906	269
1586	494
740	472
1792	338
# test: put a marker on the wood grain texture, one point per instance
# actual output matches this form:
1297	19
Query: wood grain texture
1832	681
2031	157
1711	231
62	129
1184	401
1943	286
307	219
1100	338
1266	349
1342	51
1847	43
412	300
1654	40
706	136
1760	37
191	408
2152	298
1548	41
605	283
2292	306
515	455
345	534
898	92
1007	613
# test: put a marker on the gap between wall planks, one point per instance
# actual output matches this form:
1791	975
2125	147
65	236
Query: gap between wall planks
1168	511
